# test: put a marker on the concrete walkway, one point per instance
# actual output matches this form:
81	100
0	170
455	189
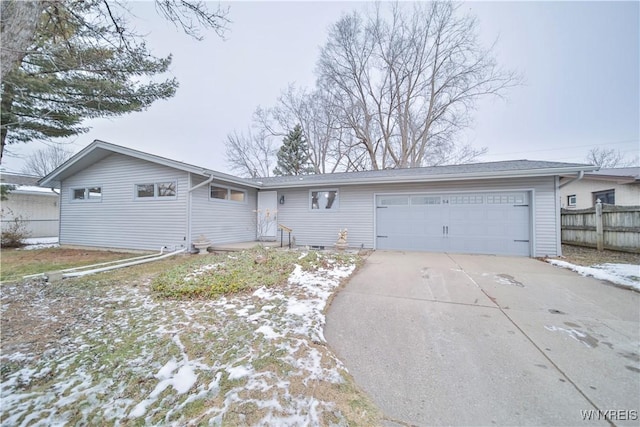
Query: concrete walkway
443	339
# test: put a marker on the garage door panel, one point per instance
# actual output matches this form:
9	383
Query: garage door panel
487	223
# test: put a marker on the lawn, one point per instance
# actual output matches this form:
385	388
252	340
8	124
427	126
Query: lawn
15	263
138	346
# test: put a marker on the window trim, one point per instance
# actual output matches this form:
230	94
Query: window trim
156	195
570	203
335	207
86	189
228	199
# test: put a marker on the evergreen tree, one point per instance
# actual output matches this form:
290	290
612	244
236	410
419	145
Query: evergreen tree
293	157
78	67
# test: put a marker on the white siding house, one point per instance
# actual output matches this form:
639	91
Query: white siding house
35	207
616	186
113	196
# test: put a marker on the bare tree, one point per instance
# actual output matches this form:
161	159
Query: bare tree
609	158
45	160
251	154
407	85
329	142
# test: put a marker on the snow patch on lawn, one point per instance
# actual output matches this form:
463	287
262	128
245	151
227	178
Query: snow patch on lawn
33	243
626	275
184	351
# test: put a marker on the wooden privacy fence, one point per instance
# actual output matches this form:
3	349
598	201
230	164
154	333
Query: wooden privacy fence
603	227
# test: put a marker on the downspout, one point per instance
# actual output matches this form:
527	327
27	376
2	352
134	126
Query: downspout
189	202
558	208
576	178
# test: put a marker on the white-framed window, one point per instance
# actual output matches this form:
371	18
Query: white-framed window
607	197
156	190
571	200
324	200
219	192
86	194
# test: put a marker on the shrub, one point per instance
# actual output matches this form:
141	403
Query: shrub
14	233
212	276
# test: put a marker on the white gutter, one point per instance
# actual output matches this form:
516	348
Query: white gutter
208	181
205	182
576	178
420	179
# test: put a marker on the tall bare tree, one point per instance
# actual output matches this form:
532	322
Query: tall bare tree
251	153
42	162
329	142
609	158
405	86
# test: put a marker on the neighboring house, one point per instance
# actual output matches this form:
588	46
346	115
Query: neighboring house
36	206
113	196
617	186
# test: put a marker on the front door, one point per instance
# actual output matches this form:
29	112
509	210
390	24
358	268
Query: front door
267	215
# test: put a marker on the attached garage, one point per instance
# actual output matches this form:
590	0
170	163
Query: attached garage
507	208
483	223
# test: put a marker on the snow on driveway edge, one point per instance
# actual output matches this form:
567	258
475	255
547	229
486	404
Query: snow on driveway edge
624	275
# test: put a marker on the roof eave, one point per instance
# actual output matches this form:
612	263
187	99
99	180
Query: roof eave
433	178
53	178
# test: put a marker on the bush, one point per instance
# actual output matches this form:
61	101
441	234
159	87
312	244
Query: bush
237	272
14	233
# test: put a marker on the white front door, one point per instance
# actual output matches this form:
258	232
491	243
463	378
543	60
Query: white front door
267	215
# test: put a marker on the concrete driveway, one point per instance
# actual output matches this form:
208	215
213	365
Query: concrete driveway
483	340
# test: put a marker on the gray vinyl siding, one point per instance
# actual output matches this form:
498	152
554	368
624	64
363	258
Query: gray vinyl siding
120	220
356	210
222	221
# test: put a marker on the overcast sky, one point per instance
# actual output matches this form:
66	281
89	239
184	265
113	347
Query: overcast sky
580	62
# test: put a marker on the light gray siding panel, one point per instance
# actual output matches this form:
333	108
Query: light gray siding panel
119	220
356	211
222	221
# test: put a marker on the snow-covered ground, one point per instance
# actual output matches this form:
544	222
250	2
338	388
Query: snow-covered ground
256	359
626	275
32	243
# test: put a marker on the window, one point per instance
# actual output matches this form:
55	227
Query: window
226	193
87	194
156	190
237	195
145	190
324	200
607	197
571	200
166	189
394	201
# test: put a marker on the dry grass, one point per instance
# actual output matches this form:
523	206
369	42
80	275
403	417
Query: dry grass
588	256
113	328
15	263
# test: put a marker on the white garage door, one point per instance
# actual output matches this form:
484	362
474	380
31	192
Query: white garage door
482	223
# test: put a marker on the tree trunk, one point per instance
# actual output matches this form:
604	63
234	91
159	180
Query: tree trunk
5	105
18	21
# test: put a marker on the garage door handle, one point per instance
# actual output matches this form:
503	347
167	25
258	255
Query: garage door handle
445	230
521	241
382	237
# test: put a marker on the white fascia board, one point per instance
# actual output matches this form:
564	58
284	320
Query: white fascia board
430	178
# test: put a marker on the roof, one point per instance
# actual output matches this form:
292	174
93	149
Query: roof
620	175
489	170
25	184
99	150
18	179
